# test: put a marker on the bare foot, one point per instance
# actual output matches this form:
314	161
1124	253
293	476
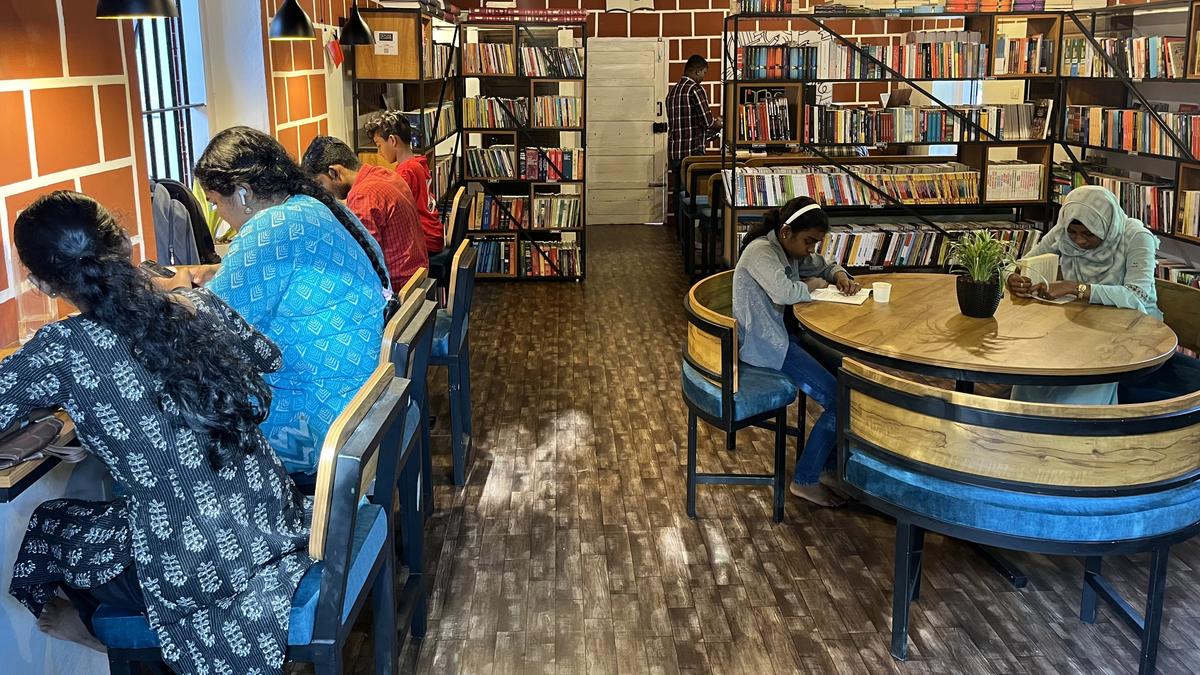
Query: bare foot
61	620
817	494
830	480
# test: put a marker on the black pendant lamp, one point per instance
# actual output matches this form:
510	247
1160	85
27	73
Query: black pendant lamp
291	23
136	9
356	31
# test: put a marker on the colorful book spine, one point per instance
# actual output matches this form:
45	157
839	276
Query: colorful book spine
550	165
939	183
557	211
557	111
495	162
487	58
564	62
767	119
488	112
1130	130
490	213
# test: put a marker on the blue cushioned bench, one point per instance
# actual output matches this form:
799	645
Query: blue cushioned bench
1085	481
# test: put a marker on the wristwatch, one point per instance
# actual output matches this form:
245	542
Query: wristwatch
1081	291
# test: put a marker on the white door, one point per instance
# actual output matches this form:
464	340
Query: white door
626	83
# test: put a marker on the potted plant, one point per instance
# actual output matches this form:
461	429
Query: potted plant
980	259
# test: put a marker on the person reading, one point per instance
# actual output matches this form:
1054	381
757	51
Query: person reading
777	269
392	134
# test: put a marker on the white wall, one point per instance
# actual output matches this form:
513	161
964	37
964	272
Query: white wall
235	70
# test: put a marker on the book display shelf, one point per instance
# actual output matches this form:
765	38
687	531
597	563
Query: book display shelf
522	109
415	72
1104	96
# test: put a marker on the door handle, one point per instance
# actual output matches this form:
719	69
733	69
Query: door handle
659	109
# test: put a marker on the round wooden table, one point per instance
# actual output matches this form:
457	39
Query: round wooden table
1027	342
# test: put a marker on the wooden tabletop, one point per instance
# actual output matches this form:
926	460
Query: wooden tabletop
923	326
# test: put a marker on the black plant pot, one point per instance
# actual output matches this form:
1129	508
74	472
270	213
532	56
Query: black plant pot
976	299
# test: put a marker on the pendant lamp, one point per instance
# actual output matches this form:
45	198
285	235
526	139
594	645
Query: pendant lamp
356	31
136	9
291	23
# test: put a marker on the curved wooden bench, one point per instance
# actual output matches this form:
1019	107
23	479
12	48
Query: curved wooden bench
1055	479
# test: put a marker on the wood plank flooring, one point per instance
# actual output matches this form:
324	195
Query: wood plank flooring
569	550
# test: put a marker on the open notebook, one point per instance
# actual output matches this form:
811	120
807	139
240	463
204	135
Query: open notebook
832	294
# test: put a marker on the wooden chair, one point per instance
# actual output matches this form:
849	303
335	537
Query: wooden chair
1180	305
697	209
727	394
1084	481
451	348
440	263
352	543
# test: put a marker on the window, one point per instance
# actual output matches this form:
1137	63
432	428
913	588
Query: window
171	70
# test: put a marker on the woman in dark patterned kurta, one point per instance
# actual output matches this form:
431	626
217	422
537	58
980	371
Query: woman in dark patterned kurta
166	389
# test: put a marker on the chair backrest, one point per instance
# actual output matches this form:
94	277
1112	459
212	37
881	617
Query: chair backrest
413	346
712	345
414	283
396	325
460	213
1077	450
462	292
205	247
1180	306
697	172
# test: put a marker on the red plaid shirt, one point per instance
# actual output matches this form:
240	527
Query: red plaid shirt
690	122
384	204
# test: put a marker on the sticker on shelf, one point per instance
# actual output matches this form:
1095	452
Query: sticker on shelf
386	43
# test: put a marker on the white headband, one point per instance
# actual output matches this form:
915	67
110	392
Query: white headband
801	212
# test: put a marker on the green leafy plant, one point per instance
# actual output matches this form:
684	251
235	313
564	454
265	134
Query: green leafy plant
981	256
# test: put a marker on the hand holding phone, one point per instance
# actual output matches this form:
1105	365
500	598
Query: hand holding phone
155	269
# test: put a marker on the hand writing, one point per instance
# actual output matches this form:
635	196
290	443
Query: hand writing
846	285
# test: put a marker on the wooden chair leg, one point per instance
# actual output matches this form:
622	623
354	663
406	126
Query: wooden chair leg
1154	610
1087	604
691	466
383	601
902	588
780	462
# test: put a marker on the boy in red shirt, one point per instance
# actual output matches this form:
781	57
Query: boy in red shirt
378	197
393	137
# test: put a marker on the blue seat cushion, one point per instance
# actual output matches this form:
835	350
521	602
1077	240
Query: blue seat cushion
1024	514
125	629
760	390
441	334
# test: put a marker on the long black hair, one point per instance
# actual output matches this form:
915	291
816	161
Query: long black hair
73	245
245	156
774	220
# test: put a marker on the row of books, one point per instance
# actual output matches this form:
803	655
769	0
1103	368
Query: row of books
1177	271
431	124
551	62
1189	213
938	183
1132	130
768	119
1150	56
551	164
557	111
928	124
496	161
443	174
914	245
557	211
491	112
923	54
929	6
1031	55
497	213
1013	181
1150	201
488	58
507	256
510	15
437	58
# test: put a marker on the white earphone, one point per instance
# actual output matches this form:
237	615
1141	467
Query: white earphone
242	196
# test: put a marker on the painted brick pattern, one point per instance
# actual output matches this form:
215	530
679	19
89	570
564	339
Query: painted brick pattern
70	109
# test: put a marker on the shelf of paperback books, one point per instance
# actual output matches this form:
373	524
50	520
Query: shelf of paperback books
888	246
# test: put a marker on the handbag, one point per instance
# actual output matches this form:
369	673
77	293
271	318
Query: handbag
32	438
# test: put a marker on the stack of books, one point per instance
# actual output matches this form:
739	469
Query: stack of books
431	124
489	112
1014	181
767	120
1133	130
557	211
876	126
495	162
1189	213
922	54
513	15
1031	55
488	58
901	245
490	213
551	165
563	255
551	62
940	183
557	111
1152	56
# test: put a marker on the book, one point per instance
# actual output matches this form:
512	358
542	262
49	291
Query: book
551	165
834	124
1013	181
921	54
557	111
495	162
489	112
501	212
832	294
1132	129
431	124
557	211
930	183
767	117
564	62
487	58
1144	57
885	246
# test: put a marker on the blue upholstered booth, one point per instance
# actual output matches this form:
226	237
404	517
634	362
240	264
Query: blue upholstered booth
1083	481
452	349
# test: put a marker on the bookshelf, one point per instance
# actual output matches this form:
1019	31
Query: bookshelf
419	78
522	102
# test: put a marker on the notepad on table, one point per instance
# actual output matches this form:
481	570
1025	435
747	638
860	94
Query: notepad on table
832	294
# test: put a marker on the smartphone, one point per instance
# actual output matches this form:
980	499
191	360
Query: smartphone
156	269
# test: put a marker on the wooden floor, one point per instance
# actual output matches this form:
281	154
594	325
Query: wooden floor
569	550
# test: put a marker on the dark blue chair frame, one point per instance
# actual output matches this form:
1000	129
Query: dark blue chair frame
410	355
911	526
689	211
382	429
440	262
457	359
726	421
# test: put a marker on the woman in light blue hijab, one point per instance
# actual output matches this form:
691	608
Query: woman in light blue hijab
1106	258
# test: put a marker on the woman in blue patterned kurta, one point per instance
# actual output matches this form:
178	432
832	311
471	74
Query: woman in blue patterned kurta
305	273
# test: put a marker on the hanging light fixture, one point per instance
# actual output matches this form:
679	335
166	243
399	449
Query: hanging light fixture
291	23
356	31
136	9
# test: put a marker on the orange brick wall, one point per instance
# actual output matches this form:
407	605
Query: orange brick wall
70	113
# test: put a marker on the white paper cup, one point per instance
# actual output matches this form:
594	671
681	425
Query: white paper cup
882	291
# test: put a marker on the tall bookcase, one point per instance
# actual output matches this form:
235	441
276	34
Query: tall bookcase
414	72
522	106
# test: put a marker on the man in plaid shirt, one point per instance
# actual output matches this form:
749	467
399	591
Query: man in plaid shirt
690	123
